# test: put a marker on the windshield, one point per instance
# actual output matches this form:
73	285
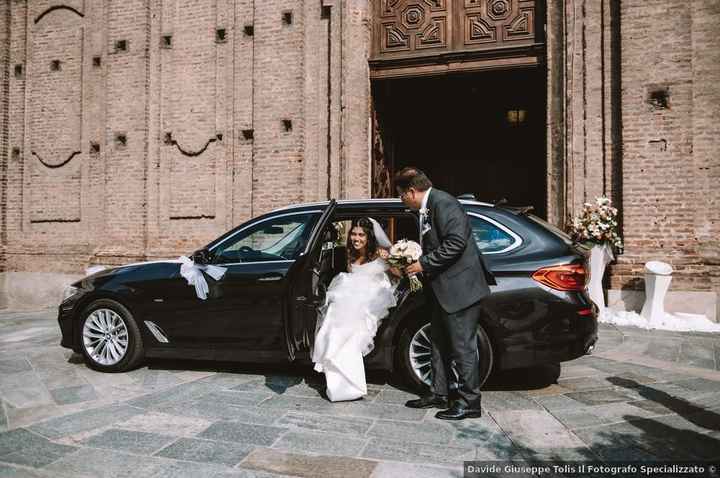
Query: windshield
281	237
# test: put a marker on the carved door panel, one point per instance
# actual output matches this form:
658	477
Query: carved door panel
420	28
495	23
409	26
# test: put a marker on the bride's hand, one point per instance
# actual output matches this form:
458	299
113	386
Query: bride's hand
383	253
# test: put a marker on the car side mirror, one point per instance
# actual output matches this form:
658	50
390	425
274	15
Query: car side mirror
201	256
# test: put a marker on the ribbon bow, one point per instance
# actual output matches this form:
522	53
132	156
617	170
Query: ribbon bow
193	273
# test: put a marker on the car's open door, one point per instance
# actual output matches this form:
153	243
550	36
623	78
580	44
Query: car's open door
306	291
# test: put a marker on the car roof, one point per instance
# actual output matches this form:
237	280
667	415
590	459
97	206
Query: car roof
366	203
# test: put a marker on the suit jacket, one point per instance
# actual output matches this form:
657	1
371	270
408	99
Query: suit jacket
451	260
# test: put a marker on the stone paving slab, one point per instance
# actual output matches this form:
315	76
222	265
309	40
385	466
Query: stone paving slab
536	429
206	451
86	420
165	424
315	422
244	433
396	450
321	443
90	462
437	431
296	464
222	411
59	418
130	441
73	394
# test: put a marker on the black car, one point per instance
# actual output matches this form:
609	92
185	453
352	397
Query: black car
278	266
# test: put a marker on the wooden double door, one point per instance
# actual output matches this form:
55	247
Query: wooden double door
436	35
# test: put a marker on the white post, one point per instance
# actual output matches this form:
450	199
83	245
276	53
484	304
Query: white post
600	257
657	282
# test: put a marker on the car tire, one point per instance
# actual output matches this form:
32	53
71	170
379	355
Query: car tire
109	337
415	338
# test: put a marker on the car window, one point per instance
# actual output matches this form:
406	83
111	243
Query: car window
555	230
490	237
275	239
397	226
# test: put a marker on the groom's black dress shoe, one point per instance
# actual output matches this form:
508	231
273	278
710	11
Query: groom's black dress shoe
458	411
428	401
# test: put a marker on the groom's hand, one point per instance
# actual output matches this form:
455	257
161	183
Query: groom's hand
414	268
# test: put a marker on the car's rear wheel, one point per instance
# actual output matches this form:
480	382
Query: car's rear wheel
414	353
110	337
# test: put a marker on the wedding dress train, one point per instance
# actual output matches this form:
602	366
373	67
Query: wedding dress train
355	304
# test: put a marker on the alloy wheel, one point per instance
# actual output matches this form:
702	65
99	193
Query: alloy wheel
420	352
105	337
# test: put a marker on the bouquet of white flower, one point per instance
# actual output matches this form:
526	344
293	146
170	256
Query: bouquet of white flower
402	254
597	224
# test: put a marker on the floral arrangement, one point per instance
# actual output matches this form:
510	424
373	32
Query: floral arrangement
597	224
402	254
341	228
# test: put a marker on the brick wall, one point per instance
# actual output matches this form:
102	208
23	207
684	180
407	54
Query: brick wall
154	149
5	71
657	163
145	128
670	153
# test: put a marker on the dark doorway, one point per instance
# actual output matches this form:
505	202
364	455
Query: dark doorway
481	133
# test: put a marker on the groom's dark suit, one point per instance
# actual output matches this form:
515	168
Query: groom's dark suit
458	279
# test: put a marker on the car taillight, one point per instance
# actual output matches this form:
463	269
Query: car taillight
564	277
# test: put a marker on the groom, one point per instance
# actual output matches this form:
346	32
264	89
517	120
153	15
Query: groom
459	279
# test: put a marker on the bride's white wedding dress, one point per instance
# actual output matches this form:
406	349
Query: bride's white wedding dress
355	304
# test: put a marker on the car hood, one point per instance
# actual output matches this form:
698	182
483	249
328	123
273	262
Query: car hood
137	270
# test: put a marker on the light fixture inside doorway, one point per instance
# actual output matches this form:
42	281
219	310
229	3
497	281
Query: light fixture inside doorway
516	117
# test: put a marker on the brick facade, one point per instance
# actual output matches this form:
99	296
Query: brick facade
642	95
134	129
145	129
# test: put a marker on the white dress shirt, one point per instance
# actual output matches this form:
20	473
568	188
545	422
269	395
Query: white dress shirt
423	216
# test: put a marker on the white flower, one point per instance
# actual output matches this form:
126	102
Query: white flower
405	252
602	201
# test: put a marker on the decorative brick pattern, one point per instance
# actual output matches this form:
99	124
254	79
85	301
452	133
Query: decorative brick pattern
135	148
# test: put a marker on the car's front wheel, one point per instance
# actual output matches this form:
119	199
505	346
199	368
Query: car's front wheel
110	337
414	353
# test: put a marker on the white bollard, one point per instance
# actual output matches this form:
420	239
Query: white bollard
600	257
657	282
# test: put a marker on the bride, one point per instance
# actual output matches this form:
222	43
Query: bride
355	304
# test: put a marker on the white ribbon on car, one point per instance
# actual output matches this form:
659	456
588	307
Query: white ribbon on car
193	273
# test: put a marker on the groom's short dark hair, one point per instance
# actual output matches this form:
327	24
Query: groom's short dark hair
412	177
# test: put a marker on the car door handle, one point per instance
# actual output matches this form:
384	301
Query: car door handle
270	278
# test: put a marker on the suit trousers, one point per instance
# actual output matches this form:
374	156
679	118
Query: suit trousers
454	339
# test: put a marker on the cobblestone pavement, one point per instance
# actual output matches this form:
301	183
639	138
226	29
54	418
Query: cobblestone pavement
642	395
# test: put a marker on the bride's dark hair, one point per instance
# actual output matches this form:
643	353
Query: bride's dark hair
372	246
